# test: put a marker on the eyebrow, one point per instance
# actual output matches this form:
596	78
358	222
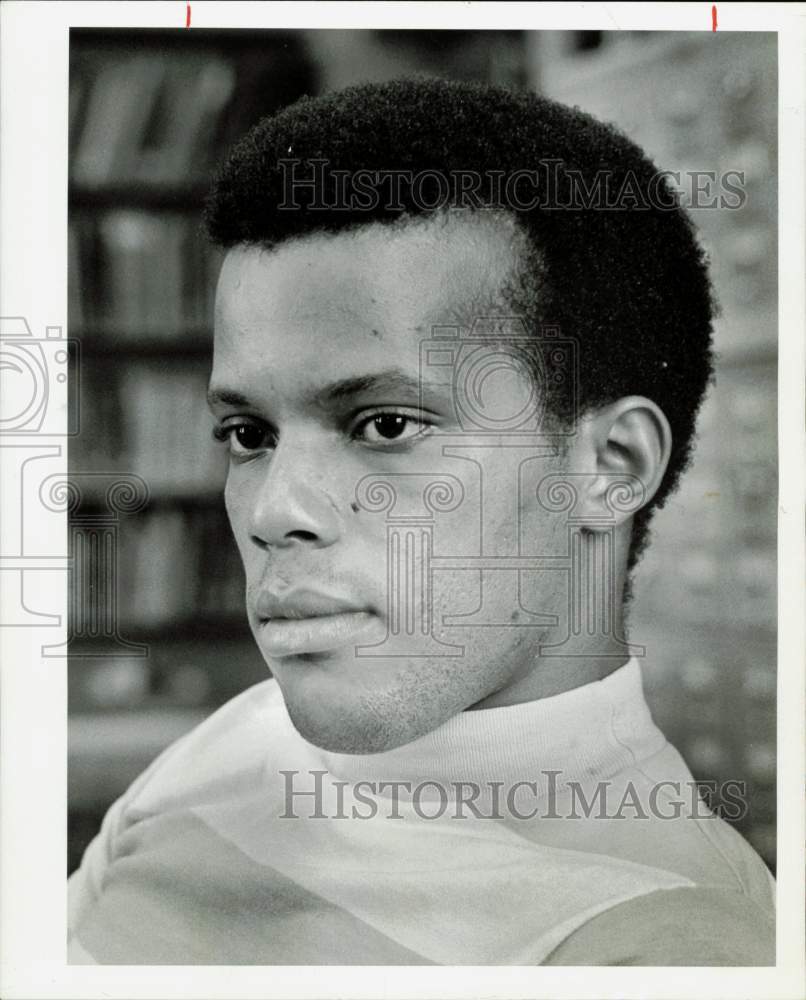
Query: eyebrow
388	380
226	396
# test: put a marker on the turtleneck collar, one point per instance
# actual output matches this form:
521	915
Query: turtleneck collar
587	733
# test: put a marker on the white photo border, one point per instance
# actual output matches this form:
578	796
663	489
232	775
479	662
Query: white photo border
34	52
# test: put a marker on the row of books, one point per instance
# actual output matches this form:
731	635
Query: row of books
149	418
178	566
145	118
140	275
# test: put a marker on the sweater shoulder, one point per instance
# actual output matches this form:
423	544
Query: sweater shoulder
674	927
222	752
703	845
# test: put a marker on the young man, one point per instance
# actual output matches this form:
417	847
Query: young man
453	388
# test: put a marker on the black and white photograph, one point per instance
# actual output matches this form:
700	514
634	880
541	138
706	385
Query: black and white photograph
427	584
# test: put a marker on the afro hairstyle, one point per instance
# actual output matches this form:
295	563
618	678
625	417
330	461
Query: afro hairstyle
630	285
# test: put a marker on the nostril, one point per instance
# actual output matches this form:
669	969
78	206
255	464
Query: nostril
303	536
289	536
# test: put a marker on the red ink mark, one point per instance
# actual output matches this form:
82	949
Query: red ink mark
187	16
713	17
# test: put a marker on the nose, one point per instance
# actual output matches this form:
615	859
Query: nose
291	506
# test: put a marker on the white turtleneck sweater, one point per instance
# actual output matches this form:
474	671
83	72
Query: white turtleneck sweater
482	842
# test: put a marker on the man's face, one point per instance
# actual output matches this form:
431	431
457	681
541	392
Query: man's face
339	440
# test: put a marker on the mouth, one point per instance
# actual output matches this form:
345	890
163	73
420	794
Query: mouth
306	621
318	634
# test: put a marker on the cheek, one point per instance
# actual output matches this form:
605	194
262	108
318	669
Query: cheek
237	505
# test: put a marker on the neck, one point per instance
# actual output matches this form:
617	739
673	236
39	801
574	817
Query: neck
554	675
594	645
587	734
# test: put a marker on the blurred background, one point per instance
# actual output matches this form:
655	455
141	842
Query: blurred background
158	632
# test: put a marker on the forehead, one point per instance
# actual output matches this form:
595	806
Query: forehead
356	298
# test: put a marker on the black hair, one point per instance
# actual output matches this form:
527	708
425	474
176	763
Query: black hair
620	268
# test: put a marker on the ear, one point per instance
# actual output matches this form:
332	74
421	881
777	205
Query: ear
628	447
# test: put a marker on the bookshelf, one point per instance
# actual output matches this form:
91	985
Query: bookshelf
151	113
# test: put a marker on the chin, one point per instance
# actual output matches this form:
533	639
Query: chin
344	731
353	718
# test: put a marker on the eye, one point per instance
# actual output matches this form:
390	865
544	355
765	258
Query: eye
390	427
245	437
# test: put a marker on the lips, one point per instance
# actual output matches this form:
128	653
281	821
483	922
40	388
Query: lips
310	621
302	603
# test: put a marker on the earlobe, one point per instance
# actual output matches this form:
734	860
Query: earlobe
631	442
